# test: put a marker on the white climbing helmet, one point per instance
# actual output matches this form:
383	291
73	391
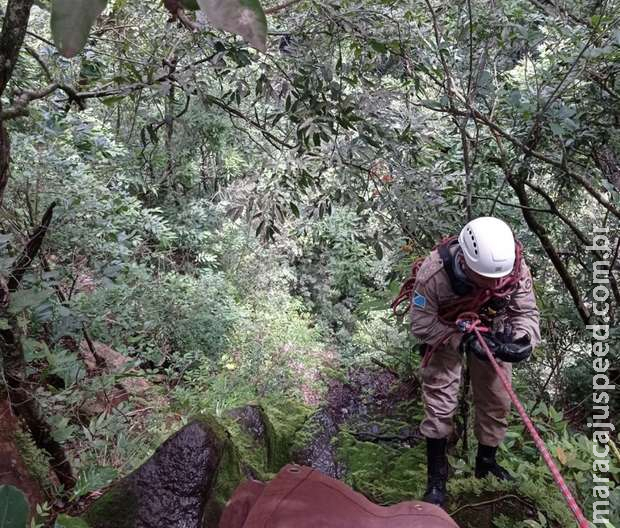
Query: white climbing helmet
488	246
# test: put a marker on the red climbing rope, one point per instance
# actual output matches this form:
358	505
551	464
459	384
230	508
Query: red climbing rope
473	325
503	287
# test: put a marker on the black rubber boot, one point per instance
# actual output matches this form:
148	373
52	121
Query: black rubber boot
437	463
487	465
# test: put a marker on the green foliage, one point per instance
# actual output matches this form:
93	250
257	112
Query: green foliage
177	319
237	223
35	460
65	521
270	352
93	478
384	474
547	502
13	507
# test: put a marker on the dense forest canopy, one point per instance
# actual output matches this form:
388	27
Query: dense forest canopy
199	211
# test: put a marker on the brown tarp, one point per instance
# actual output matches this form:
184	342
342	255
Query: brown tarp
301	497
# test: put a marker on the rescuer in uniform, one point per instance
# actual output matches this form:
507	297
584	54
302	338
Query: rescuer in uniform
481	271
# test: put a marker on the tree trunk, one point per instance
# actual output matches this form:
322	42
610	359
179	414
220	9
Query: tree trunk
5	157
21	393
22	398
14	28
516	182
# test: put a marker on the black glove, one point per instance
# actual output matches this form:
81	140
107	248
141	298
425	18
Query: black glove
515	351
470	343
502	345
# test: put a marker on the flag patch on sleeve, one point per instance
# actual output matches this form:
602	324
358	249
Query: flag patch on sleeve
419	300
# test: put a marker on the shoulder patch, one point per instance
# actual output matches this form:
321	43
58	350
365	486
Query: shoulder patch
419	300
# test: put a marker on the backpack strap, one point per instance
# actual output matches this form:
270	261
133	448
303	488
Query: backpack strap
459	286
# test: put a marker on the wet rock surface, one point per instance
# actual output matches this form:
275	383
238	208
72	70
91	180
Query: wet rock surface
314	446
171	489
252	420
366	403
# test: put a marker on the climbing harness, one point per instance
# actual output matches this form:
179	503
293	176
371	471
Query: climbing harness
469	322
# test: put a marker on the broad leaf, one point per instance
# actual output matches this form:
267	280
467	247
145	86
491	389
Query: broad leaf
242	17
192	5
71	23
13	508
64	521
23	299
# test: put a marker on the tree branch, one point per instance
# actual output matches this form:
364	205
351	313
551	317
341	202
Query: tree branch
517	183
275	9
559	164
21	395
19	107
30	251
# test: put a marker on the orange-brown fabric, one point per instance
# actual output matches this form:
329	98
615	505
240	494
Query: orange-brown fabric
239	506
301	497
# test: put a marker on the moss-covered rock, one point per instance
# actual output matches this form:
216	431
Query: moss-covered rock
229	475
264	434
118	507
384	473
191	475
314	446
254	437
285	418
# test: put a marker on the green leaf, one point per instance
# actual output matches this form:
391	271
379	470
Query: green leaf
71	23
64	521
379	47
13	508
22	300
34	349
242	17
295	209
556	129
192	5
91	479
378	249
111	101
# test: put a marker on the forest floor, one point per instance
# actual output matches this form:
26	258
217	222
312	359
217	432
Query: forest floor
358	423
366	433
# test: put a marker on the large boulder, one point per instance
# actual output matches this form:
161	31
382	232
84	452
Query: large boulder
314	444
187	480
264	435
